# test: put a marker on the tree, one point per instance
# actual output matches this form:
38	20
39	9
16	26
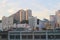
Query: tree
24	21
16	21
0	21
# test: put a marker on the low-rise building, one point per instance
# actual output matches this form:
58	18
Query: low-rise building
32	22
3	35
34	35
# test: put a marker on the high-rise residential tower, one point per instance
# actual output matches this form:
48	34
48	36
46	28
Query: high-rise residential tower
22	15
17	17
53	21
58	18
28	13
53	18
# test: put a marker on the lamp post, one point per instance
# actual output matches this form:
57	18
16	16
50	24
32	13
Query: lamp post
46	35
47	24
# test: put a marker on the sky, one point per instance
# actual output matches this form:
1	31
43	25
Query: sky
40	8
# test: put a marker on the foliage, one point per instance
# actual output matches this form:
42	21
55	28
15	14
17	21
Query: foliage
24	21
0	21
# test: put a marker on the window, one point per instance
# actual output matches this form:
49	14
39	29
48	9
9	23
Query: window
30	36
17	36
43	36
27	36
4	36
24	37
50	36
11	36
14	36
36	36
57	36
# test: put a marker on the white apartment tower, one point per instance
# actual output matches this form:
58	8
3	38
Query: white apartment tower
7	22
33	22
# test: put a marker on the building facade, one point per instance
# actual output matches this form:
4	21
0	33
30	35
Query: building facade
58	19
34	35
17	18
53	18
7	22
41	24
1	26
3	35
53	21
22	15
32	22
28	13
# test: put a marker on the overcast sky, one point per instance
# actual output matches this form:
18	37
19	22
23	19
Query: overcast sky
40	8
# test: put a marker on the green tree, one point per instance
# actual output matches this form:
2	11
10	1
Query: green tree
24	21
0	21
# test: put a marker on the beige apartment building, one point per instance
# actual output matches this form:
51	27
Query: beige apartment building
58	18
7	22
28	13
22	15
